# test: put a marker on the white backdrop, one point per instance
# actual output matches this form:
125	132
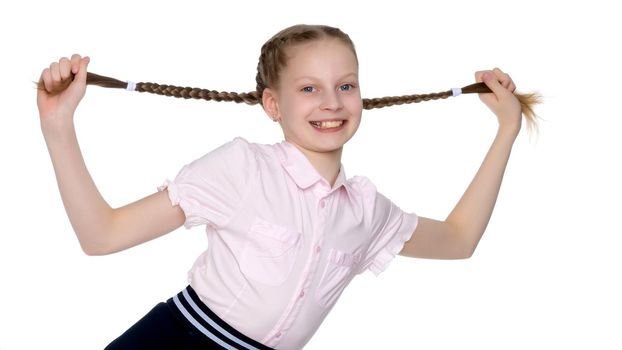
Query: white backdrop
546	273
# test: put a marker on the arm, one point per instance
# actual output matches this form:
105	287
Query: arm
458	236
99	228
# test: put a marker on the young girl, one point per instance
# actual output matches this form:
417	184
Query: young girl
287	229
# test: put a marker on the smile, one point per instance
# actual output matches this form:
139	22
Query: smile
329	124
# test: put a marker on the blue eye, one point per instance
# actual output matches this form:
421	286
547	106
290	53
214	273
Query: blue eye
346	87
307	89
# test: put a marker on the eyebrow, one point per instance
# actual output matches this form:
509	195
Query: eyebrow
312	78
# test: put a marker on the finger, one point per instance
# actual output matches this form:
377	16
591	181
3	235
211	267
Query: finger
512	87
498	71
478	76
46	77
65	68
491	81
75	63
502	77
55	72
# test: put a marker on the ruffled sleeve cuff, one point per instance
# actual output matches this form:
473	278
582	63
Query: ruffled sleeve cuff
173	195
192	217
386	255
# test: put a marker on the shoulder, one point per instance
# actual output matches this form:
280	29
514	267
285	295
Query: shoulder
235	154
374	202
361	186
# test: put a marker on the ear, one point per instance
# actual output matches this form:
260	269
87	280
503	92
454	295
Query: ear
270	103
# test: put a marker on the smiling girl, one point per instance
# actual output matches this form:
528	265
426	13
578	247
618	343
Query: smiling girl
287	230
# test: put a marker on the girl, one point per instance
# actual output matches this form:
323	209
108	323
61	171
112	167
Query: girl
287	229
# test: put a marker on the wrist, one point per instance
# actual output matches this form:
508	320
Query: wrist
509	129
507	135
57	128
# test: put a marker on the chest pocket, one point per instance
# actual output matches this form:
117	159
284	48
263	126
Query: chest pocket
337	275
270	252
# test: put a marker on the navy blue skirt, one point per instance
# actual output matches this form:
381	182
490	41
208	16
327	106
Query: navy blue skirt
183	322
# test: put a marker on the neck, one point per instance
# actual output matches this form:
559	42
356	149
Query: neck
327	164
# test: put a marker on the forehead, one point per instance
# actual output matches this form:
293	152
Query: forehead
319	57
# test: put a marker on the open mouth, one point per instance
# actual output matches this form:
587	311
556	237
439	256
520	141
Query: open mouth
329	124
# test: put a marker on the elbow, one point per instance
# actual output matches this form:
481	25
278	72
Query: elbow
466	246
95	246
460	255
467	250
94	249
463	243
97	239
467	254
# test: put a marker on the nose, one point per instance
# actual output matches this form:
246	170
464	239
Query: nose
331	101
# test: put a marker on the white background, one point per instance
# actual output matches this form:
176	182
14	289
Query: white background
546	273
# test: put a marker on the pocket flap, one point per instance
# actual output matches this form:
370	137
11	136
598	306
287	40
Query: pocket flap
274	231
338	257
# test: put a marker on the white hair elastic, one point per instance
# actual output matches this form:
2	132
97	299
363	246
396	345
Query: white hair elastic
456	91
131	86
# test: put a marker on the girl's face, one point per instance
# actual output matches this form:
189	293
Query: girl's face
318	102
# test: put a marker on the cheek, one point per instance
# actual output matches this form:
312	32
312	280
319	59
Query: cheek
301	107
355	106
294	102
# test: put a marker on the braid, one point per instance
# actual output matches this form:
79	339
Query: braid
371	103
527	100
273	59
253	98
250	98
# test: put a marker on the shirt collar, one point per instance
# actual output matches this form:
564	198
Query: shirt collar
302	171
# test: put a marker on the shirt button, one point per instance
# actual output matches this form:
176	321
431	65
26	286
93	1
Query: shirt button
317	249
322	203
278	335
302	294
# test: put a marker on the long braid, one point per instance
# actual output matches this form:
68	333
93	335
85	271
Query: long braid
252	98
273	59
527	100
196	93
371	103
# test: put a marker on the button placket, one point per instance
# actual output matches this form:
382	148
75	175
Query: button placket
310	271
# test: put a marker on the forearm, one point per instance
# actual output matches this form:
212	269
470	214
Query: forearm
472	213
88	212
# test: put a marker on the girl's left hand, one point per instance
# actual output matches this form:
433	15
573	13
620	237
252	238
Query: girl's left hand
502	101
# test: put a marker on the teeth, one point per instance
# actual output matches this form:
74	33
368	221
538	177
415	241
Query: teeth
328	124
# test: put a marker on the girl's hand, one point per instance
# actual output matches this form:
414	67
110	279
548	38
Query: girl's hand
502	101
60	89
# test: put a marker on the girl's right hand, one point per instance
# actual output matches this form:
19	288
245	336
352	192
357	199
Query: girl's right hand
60	89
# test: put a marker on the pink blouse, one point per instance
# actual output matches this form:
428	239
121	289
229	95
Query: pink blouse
282	244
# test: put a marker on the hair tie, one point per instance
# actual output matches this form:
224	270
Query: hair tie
456	91
131	86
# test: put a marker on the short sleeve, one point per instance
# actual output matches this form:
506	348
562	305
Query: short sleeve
210	189
391	228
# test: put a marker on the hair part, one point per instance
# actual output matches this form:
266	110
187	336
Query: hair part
273	57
